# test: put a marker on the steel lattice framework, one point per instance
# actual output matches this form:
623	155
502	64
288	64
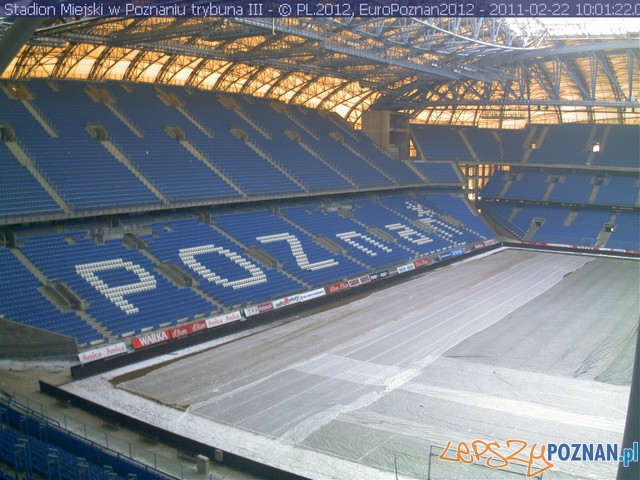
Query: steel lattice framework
456	70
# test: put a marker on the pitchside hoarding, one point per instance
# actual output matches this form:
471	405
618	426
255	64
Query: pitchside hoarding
103	352
172	333
286	301
188	329
222	319
406	268
337	287
258	309
422	262
319	292
151	339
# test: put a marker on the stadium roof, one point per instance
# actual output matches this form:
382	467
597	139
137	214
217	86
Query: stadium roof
460	70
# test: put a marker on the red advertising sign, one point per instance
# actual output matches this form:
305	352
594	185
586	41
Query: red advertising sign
421	262
337	287
354	282
151	339
187	329
265	307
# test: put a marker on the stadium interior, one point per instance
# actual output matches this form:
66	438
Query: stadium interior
164	179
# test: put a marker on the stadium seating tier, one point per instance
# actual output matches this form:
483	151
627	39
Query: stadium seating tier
126	147
124	288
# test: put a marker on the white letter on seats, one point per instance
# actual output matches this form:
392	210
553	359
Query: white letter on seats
296	250
348	237
116	294
409	234
188	257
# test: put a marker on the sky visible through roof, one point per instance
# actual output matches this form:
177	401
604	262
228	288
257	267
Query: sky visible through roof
571	27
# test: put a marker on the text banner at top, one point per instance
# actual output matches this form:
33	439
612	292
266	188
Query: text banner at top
320	9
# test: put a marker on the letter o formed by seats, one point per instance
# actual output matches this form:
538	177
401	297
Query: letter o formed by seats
188	257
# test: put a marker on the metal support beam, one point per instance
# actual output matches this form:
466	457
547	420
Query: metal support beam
413	105
15	38
608	69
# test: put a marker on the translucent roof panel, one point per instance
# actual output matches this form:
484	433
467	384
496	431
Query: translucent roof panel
444	70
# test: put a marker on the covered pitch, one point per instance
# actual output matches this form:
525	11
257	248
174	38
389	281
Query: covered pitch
523	345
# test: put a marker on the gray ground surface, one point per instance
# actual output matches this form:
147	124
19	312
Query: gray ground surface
518	344
582	328
20	380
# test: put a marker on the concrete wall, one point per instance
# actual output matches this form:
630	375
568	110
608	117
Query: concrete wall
389	130
22	341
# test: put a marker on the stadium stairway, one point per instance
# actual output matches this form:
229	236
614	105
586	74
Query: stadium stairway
102	95
232	105
172	100
287	112
40	118
18	152
122	158
266	156
189	147
607	231
317	155
88	319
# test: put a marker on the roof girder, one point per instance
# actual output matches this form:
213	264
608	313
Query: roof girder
332	62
